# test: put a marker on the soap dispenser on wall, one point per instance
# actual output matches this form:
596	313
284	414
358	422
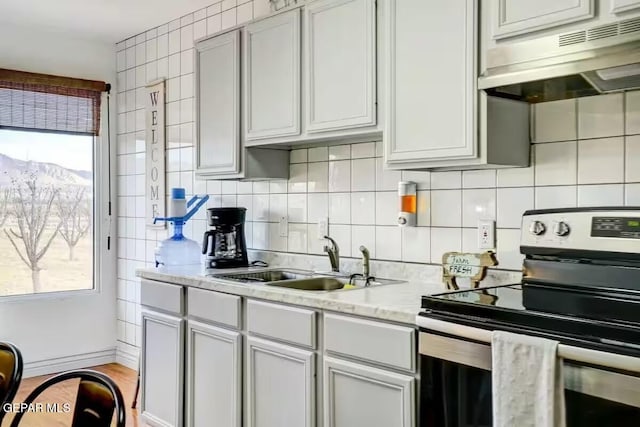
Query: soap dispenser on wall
408	204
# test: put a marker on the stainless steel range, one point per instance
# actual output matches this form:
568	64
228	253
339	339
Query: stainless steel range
581	287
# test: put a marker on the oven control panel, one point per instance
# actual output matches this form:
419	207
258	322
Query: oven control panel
595	229
620	227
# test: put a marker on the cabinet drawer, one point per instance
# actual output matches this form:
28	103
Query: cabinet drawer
164	296
214	306
290	324
383	343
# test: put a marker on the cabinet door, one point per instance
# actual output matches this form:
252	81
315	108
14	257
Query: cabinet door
162	369
280	385
217	104
340	64
433	117
620	6
213	376
358	395
515	17
272	76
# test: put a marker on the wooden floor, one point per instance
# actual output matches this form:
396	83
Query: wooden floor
66	393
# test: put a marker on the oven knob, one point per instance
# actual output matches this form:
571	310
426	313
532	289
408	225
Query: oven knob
537	228
561	229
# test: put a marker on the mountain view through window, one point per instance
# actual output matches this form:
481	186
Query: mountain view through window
46	212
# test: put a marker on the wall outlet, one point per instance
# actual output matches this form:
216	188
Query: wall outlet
283	226
486	234
323	228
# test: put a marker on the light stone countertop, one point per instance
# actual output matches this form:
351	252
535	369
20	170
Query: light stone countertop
397	302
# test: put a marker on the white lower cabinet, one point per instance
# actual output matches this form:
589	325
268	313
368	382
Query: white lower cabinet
161	365
214	383
360	395
280	384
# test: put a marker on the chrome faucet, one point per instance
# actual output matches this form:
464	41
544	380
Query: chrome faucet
365	262
334	254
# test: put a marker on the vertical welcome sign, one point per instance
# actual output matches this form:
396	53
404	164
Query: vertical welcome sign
155	144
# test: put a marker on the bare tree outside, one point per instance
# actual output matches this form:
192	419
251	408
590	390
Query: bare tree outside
74	209
32	205
46	212
5	194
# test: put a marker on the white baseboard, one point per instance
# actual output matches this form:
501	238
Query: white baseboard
125	358
60	364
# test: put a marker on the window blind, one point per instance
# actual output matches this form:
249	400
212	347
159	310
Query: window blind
30	101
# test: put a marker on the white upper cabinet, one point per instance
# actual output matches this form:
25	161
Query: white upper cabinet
340	64
435	116
218	104
431	77
515	17
621	6
271	65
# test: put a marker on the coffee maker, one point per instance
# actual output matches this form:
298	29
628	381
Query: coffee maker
225	245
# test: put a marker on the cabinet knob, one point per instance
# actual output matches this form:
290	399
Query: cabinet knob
402	220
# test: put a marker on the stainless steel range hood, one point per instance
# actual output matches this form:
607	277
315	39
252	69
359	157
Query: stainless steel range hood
588	62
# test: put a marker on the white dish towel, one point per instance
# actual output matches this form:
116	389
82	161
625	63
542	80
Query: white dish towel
527	382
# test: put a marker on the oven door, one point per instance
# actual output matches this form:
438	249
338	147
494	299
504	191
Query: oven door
456	388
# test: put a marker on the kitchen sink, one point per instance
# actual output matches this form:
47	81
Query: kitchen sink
266	276
311	284
301	279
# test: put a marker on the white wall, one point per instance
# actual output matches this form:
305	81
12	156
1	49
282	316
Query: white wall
68	327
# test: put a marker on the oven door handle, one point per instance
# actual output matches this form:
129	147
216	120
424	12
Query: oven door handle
455	350
587	380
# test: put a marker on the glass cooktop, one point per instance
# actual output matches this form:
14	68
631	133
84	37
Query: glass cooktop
502	307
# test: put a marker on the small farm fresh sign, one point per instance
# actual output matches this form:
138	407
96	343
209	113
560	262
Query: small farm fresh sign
467	265
155	143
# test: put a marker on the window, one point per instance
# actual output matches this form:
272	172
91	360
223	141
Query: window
48	136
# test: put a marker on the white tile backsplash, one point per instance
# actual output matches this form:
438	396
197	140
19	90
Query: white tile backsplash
389	242
340	152
632	113
556	197
632	158
340	175
601	116
601	195
387	179
318	207
577	142
363	235
386	208
556	164
632	195
340	208
601	160
446	208
479	178
363	174
478	204
446	180
512	203
416	244
444	240
555	121
363	208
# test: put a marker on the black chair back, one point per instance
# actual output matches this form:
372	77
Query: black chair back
10	374
97	400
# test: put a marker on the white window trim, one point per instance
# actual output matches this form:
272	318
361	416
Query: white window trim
104	260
